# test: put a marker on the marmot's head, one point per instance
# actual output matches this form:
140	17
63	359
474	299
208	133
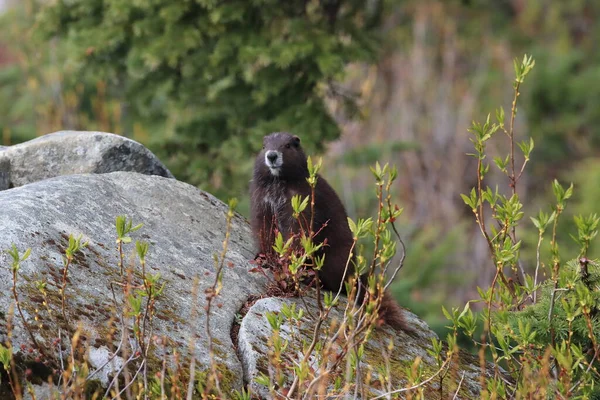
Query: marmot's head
282	157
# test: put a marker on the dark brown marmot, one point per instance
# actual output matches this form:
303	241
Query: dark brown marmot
280	172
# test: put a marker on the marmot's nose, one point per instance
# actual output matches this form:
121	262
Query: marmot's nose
272	155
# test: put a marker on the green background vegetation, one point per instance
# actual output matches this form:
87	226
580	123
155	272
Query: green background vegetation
200	82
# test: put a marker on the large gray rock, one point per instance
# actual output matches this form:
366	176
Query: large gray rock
73	152
185	228
254	348
4	172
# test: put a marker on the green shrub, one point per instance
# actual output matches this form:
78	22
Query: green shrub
544	332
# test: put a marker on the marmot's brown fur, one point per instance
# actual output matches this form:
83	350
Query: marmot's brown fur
280	172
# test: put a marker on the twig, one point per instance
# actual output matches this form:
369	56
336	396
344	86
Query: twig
211	293
513	113
403	257
537	266
115	379
142	364
164	369
110	359
25	323
64	287
192	341
459	385
445	365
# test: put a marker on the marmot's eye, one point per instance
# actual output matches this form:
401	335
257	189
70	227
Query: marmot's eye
263	146
287	146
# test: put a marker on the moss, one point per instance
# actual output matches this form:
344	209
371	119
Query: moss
228	378
226	381
169	314
154	362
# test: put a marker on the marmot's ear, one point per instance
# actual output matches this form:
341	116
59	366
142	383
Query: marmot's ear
296	141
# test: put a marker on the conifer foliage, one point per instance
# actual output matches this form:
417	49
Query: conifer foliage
230	71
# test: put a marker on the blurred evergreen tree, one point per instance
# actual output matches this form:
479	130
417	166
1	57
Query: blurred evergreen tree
19	84
230	71
40	93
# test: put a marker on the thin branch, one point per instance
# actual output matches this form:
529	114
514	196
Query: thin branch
537	266
459	385
445	365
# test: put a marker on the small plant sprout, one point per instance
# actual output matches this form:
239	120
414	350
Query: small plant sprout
587	229
313	170
15	266
299	205
17	259
73	248
124	227
242	395
280	247
5	357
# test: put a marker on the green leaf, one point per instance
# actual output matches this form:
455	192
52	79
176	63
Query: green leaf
446	313
569	192
500	116
5	357
353	227
471	200
135	228
500	163
142	249
526	148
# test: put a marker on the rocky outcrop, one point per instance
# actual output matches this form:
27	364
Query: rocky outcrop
72	152
185	229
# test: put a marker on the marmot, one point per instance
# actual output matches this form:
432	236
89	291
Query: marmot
280	172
